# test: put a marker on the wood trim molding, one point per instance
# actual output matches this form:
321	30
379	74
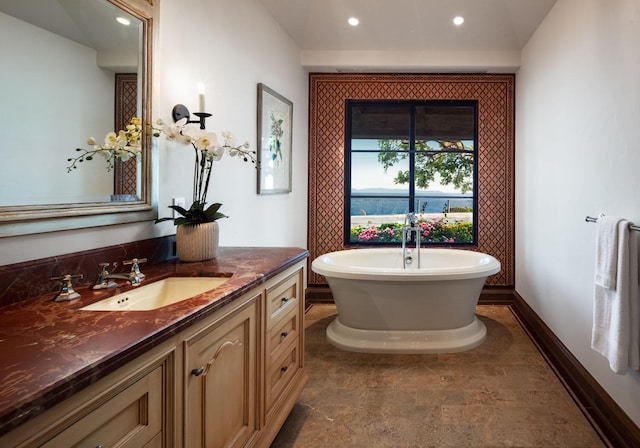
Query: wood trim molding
611	422
318	294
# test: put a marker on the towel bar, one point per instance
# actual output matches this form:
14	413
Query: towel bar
591	219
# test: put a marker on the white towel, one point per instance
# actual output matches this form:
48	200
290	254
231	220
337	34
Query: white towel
607	251
616	322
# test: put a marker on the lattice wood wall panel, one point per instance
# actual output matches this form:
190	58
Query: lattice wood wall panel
496	97
126	96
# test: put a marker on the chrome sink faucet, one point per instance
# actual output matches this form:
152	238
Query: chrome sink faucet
410	226
66	288
104	280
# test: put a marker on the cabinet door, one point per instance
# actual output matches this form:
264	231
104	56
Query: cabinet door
220	403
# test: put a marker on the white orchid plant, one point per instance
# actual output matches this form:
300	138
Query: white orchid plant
207	150
127	143
122	146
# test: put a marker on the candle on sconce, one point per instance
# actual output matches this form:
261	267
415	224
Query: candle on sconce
201	97
201	101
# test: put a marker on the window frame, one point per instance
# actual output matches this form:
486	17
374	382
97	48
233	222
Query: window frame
350	104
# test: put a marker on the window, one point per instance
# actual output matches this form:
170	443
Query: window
411	156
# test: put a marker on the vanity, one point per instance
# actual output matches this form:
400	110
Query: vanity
222	368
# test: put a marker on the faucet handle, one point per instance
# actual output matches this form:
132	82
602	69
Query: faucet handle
66	288
67	277
135	266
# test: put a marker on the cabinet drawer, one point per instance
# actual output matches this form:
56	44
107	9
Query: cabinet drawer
283	297
280	374
282	333
132	418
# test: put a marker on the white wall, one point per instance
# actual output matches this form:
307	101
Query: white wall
577	154
230	47
29	129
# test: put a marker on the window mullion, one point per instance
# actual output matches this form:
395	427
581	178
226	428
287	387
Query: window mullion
412	159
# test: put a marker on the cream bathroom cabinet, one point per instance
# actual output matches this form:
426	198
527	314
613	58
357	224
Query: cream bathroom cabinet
228	380
132	407
221	360
283	342
132	418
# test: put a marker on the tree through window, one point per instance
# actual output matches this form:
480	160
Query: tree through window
411	156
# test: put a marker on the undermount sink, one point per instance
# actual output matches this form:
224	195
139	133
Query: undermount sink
157	294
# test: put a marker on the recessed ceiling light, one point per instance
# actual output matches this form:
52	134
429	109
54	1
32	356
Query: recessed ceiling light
458	20
123	21
353	21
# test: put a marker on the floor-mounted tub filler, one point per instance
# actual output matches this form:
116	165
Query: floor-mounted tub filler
387	304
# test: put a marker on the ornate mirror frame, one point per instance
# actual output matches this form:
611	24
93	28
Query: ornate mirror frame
31	219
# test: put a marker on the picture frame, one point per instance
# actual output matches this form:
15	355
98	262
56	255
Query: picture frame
275	120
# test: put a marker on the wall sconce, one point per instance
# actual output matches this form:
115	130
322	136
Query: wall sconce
180	111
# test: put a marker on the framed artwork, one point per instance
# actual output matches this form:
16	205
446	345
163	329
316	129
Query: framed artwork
275	117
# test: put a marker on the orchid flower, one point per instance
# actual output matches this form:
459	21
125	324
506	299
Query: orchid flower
208	149
120	146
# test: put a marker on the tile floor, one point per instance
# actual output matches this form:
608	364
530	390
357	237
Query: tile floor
500	394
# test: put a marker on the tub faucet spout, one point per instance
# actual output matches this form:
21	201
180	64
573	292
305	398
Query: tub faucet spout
410	220
410	226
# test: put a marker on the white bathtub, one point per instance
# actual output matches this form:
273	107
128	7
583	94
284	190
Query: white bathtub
383	308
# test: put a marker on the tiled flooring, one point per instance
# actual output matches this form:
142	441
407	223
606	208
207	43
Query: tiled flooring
500	394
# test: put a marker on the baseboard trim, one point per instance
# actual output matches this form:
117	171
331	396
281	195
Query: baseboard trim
318	294
611	422
606	416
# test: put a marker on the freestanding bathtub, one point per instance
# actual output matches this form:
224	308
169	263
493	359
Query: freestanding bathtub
385	308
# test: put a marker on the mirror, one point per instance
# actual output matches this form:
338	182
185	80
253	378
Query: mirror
71	72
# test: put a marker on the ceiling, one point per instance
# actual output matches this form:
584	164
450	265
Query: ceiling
393	35
90	23
491	27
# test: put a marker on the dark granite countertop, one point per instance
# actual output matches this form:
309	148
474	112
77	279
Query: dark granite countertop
50	350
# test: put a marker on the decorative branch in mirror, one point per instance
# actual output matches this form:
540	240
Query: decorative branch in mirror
101	78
